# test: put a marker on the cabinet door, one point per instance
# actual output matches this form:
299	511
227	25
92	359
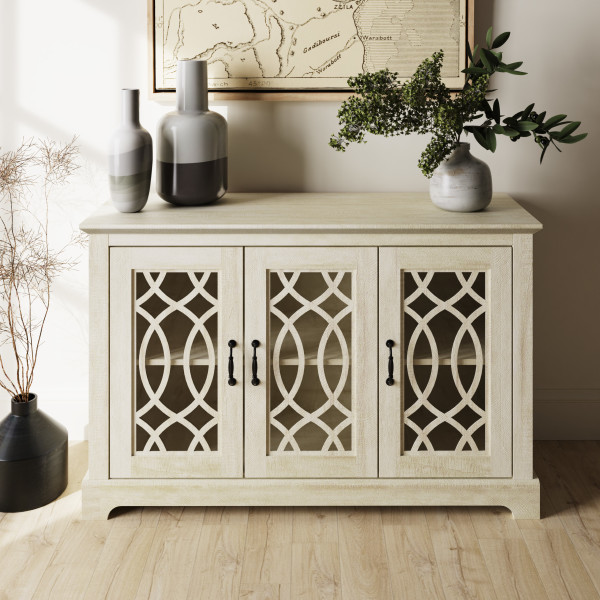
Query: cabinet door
448	411
313	411
172	313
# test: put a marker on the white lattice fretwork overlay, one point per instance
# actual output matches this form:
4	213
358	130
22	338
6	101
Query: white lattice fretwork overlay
444	356
176	337
311	339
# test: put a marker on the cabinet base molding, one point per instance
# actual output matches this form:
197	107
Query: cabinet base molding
521	497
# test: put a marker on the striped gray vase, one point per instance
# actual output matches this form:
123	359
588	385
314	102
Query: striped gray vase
461	183
191	166
130	157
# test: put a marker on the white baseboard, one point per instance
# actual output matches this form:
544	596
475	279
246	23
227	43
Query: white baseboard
566	414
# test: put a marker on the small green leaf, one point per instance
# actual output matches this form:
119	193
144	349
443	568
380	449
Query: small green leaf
485	61
491	59
514	65
568	129
488	37
553	121
491	139
480	139
479	135
526	126
489	113
510	132
573	139
469	53
527	112
475	70
501	39
506	69
496	111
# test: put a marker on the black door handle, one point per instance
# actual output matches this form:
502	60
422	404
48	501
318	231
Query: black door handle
255	380
232	380
390	379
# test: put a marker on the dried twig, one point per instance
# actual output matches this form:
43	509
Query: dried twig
28	265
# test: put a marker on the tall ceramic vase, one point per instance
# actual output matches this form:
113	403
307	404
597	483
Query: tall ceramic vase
130	157
192	143
462	183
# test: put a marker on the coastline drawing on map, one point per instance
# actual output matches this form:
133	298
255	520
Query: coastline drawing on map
304	44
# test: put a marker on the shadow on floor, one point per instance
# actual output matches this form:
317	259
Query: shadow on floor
569	473
78	466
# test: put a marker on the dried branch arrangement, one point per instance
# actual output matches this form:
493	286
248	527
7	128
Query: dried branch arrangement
29	176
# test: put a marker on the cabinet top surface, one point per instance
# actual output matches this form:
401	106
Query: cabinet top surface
310	212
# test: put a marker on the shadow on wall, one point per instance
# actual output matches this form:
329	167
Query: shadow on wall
259	137
564	76
484	17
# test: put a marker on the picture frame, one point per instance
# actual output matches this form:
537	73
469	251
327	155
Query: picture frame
161	91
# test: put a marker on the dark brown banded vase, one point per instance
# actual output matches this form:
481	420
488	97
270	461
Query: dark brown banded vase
192	143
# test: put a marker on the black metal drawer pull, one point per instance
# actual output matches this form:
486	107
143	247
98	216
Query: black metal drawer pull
232	380
390	379
255	379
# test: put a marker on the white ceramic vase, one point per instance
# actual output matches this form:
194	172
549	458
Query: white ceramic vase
462	183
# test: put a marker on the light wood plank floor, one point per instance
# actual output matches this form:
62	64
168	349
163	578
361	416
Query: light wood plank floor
264	553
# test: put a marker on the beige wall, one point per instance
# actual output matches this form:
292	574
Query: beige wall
62	64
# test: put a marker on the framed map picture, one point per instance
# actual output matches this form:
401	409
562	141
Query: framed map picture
276	48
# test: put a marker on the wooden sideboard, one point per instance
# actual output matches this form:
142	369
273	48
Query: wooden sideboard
311	349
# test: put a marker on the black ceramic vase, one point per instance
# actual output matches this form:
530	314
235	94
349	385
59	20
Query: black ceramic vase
33	458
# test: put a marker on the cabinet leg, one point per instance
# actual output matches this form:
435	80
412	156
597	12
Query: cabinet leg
530	510
93	506
526	505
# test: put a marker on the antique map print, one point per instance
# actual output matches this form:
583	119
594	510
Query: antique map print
305	44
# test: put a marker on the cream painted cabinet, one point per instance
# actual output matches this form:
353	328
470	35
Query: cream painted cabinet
311	349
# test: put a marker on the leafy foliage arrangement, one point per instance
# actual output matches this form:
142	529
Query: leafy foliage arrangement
383	106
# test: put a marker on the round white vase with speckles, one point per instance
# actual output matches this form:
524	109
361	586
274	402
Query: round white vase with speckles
461	183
